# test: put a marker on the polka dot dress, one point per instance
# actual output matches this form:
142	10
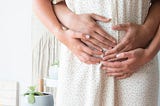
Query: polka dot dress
86	85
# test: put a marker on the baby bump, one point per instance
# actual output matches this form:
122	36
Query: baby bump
120	11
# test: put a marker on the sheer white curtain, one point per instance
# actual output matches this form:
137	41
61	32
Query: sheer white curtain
44	50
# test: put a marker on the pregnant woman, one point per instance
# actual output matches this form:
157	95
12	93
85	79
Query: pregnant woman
81	84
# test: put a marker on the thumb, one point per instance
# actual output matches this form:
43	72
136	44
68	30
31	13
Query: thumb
125	55
120	27
100	18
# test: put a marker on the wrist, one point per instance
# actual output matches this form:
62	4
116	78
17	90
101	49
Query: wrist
150	28
148	55
58	33
72	20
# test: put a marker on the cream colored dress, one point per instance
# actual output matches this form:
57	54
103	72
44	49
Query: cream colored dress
86	85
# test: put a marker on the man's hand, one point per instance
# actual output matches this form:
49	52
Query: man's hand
123	69
136	36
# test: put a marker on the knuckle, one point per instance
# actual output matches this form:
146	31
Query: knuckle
118	65
116	50
87	58
91	53
79	47
88	30
93	25
133	54
126	67
103	40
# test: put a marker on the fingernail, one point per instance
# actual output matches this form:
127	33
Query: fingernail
106	52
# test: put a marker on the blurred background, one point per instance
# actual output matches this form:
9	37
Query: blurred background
15	42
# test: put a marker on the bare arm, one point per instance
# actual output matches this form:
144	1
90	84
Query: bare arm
71	39
85	23
134	59
44	11
154	46
153	18
135	34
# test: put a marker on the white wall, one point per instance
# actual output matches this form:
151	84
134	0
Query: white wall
15	41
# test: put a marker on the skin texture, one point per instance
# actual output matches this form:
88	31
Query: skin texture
44	11
76	40
87	24
135	33
124	69
133	53
134	39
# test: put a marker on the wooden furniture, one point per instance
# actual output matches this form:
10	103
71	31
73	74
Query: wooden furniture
9	93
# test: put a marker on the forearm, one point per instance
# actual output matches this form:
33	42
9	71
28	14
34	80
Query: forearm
153	19
65	15
45	12
154	46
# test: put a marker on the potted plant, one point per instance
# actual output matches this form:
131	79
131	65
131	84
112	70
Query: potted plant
53	70
35	98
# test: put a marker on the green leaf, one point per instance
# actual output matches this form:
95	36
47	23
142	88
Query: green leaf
56	62
38	93
26	94
31	99
32	88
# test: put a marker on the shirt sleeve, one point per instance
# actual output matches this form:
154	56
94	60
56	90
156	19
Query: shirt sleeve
56	1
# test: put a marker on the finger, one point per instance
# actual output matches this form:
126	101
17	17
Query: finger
113	64
108	57
120	27
98	43
103	33
90	51
115	74
84	57
90	44
112	70
129	54
126	49
116	49
117	59
102	39
77	35
123	76
100	18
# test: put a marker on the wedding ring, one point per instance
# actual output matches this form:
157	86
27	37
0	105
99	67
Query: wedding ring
88	36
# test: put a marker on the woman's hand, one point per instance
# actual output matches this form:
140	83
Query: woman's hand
98	36
78	48
125	68
136	36
87	24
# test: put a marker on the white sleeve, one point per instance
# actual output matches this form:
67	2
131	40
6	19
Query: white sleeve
56	1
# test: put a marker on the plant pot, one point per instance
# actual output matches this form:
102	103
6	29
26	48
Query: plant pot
45	100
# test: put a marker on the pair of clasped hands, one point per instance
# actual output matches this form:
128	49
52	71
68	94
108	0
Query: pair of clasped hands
121	59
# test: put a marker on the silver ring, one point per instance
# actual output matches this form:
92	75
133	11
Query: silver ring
87	36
